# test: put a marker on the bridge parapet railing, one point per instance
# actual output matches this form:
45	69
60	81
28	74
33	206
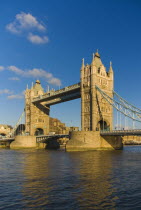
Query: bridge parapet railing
52	93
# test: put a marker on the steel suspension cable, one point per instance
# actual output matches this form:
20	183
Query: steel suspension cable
112	102
126	101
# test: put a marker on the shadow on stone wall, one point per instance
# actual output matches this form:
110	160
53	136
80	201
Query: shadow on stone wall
116	142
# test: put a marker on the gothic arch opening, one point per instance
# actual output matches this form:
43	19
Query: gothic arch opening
39	131
103	126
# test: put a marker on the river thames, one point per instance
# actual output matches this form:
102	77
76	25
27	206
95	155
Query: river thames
42	179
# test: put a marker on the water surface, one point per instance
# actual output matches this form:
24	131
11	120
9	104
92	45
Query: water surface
42	179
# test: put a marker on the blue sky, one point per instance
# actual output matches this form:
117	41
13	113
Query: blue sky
46	40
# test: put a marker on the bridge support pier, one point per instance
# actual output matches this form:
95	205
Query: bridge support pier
23	142
31	142
92	140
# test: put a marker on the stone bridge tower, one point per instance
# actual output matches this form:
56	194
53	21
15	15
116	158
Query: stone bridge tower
96	113
36	116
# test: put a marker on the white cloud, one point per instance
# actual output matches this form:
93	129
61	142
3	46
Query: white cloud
54	81
39	73
16	70
36	73
36	39
15	96
14	78
6	91
24	24
24	21
1	68
12	28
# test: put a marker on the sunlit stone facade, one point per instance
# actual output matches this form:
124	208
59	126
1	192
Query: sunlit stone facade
96	113
37	116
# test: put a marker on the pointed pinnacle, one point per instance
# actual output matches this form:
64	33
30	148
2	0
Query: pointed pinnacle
82	67
83	61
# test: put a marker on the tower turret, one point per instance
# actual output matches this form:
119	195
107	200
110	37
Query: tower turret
110	72
93	65
37	89
83	65
97	60
110	69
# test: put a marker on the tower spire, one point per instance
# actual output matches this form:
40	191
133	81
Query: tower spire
93	59
83	65
110	69
93	56
110	72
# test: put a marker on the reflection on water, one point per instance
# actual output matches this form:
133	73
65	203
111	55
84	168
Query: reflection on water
42	179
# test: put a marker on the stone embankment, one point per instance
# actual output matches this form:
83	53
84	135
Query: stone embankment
132	140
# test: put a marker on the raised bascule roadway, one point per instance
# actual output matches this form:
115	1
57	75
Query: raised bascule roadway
98	104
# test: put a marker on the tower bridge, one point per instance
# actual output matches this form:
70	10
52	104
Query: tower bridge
93	108
98	101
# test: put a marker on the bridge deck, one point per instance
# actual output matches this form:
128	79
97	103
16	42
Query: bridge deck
44	138
121	133
4	140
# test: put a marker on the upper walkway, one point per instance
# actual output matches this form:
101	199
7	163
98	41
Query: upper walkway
54	97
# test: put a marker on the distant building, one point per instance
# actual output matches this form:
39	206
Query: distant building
5	129
74	128
56	126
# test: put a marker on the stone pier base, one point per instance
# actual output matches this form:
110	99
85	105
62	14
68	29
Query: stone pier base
30	142
91	140
23	142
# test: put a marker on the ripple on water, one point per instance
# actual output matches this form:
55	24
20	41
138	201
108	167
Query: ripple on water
42	179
